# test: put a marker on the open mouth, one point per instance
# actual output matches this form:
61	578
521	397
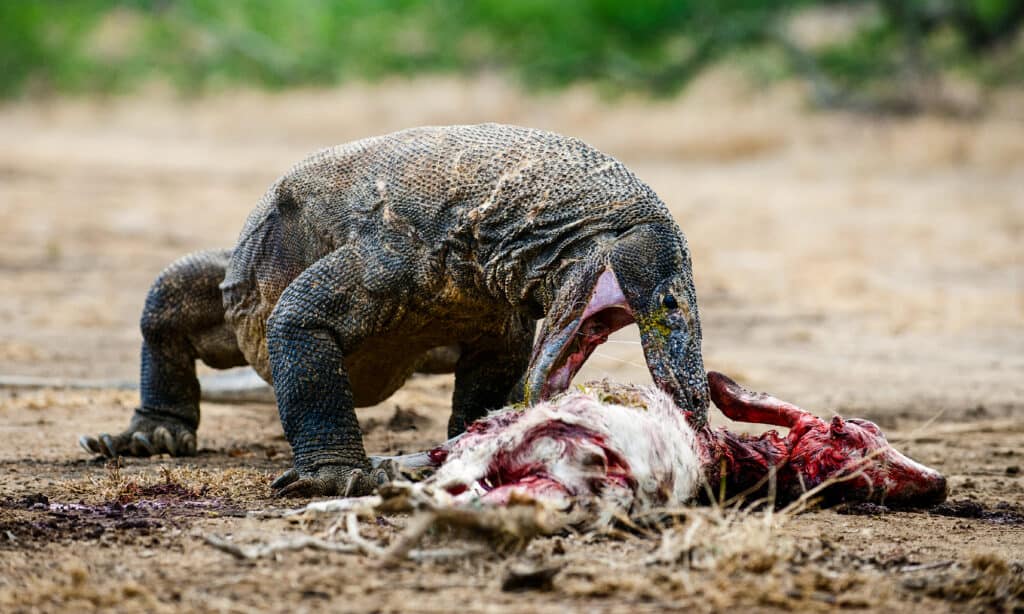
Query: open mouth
591	332
563	347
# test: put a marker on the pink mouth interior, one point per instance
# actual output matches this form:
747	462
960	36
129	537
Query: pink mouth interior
594	331
607	311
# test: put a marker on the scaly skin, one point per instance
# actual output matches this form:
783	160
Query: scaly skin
365	259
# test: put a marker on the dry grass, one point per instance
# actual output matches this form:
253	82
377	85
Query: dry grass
78	590
987	581
120	485
703	558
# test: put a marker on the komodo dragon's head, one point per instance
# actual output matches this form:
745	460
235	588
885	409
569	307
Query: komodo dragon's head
641	276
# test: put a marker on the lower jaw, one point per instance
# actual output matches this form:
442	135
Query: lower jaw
558	382
562	376
601	325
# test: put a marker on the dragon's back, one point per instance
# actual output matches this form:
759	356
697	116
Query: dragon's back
487	204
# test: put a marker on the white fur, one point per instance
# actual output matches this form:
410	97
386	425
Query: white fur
656	442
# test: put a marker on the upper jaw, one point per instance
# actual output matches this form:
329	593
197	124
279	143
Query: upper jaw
561	351
677	370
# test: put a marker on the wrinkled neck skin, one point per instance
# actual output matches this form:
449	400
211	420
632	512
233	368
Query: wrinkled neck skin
738	466
556	294
583	305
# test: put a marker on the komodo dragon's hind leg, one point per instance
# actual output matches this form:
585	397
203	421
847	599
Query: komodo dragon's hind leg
488	374
183	320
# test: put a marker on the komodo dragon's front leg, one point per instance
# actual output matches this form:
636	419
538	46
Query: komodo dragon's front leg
183	320
325	313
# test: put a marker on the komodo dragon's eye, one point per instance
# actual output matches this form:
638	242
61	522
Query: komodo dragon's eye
669	301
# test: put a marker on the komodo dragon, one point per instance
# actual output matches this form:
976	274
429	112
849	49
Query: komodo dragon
365	258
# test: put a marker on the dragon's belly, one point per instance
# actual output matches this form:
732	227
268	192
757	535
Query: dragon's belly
379	365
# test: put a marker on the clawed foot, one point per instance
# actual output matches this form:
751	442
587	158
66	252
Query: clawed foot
144	437
333	480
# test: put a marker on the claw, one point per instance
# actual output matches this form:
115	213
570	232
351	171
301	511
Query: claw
285	492
285	479
89	444
107	447
165	440
142	443
352	485
306	487
384	473
330	480
188	444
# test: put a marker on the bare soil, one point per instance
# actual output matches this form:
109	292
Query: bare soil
865	266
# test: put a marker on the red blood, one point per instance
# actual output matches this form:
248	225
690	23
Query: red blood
536	487
851	453
814	451
457	489
438	455
514	467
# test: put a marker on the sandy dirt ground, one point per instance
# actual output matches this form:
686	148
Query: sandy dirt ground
870	267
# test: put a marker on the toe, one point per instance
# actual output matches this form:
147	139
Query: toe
359	484
383	474
165	441
285	479
187	444
141	445
107	446
305	487
89	444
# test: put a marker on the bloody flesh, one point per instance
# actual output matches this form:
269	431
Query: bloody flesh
853	454
633	447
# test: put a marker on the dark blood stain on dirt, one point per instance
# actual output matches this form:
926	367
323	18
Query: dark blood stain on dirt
35	518
1001	513
864	508
167	492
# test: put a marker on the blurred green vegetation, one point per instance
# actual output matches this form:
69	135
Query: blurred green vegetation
657	46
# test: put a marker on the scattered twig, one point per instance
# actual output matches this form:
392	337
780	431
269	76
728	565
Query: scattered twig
257	551
926	566
412	535
262	550
335	506
353	536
